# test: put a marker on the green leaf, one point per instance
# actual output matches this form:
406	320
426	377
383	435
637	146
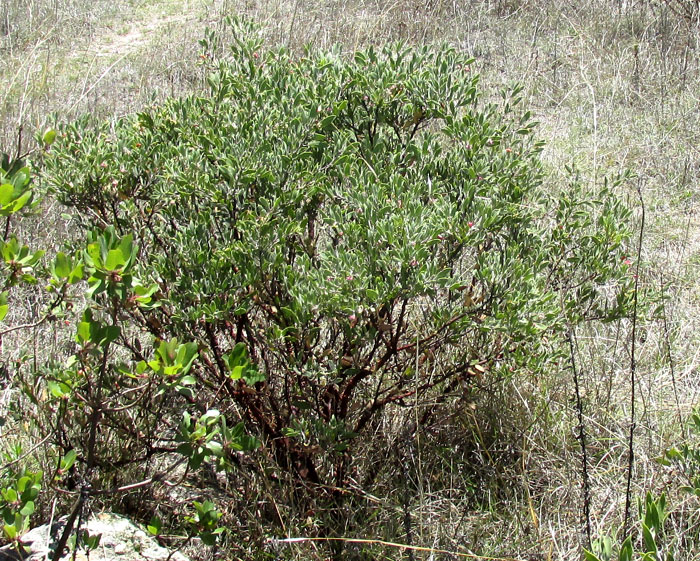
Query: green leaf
76	274
97	286
49	137
290	432
22	483
21	178
30	259
252	376
7	192
144	293
27	509
115	260
21	201
210	417
238	355
196	460
91	541
626	551
327	122
84	332
62	265
673	454
58	389
649	541
208	506
185	392
589	556
186	355
4	307
249	443
68	460
154	526
237	431
112	333
94	254
215	448
10	532
185	449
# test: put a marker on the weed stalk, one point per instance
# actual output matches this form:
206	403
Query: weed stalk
582	440
633	370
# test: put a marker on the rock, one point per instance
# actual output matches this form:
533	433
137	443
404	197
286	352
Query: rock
121	540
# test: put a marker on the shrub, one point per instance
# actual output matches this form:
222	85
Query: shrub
315	242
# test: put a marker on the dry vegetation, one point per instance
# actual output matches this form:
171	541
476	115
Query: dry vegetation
615	85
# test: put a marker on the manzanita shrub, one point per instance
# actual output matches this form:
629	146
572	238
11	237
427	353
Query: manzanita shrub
315	242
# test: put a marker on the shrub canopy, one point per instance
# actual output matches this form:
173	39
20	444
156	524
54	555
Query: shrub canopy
318	239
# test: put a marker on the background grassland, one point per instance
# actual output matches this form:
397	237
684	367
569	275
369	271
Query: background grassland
615	85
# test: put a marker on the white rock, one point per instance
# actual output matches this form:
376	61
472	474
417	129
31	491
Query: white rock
121	540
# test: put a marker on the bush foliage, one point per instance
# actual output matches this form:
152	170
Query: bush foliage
274	266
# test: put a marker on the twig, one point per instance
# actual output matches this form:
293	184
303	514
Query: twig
48	534
582	441
397	545
20	130
86	489
667	341
59	298
6	233
84	495
94	85
402	453
27	453
68	529
633	370
292	23
24	326
145	483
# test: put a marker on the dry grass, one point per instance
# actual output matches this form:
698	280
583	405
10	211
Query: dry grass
616	86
